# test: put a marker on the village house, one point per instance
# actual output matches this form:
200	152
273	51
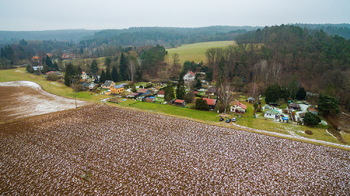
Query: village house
179	102
150	99
108	84
189	77
211	103
117	89
160	94
144	91
294	106
132	95
84	76
271	113
238	107
211	91
38	68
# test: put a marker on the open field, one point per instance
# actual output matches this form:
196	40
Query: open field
195	52
24	98
131	152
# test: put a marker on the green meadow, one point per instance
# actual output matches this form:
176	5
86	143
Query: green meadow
195	52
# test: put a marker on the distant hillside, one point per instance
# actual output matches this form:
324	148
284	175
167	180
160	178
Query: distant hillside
58	35
166	36
342	30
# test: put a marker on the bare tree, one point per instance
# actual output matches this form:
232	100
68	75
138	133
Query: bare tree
225	94
276	68
176	67
132	69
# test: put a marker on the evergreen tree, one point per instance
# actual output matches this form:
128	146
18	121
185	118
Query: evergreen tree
93	67
301	94
48	62
198	83
70	72
327	105
108	75
169	92
102	77
115	74
180	91
79	70
123	67
138	74
272	93
108	61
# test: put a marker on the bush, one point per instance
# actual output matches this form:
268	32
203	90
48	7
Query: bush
311	119
202	104
309	132
51	77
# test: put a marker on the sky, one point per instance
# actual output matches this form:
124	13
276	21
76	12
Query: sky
32	15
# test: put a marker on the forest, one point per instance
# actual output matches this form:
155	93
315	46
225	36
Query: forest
289	56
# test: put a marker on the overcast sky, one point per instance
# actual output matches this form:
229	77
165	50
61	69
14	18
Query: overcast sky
19	15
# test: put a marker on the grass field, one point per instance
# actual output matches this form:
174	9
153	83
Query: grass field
195	52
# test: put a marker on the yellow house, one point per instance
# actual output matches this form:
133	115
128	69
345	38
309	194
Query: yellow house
117	89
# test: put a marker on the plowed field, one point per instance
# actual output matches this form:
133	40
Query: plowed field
136	153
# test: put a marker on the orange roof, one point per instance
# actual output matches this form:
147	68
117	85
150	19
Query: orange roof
312	110
161	93
179	101
239	104
210	101
35	58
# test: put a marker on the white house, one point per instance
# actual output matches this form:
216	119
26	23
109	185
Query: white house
238	107
84	76
189	77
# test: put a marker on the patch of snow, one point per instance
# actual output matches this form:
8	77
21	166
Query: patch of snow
22	84
54	83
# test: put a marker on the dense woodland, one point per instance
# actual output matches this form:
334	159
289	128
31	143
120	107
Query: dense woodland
289	56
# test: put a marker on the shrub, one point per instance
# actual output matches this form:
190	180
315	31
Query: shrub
51	77
311	119
309	132
202	104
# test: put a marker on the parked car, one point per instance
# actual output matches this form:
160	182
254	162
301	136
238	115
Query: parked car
233	119
228	120
221	119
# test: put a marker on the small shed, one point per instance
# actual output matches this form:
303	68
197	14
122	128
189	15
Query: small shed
179	102
149	99
132	95
251	100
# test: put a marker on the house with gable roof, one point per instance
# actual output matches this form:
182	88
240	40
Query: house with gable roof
210	102
238	107
189	77
108	84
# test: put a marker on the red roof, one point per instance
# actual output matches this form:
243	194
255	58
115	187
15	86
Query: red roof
312	110
190	72
179	101
239	104
161	93
210	101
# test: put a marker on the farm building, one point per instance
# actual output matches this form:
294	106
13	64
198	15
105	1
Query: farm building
238	107
160	94
108	84
179	102
144	91
210	102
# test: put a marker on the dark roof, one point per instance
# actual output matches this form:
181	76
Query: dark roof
119	86
107	83
211	90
